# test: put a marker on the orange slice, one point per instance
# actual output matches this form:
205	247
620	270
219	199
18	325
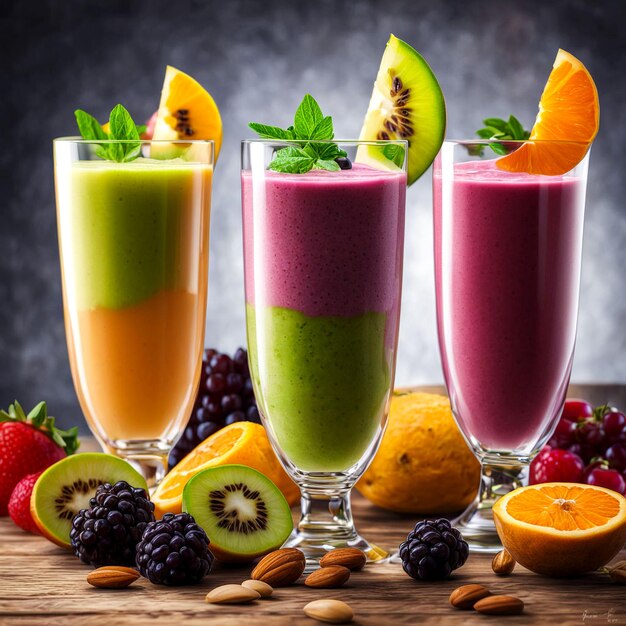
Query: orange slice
561	529
241	443
187	111
569	112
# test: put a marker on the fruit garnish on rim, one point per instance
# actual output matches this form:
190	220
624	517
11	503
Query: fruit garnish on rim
407	103
187	111
561	529
314	150
566	124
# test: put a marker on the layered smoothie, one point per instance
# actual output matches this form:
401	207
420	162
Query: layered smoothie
323	270
134	245
507	263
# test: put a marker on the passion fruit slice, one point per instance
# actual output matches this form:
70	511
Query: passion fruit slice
406	103
186	111
67	486
242	511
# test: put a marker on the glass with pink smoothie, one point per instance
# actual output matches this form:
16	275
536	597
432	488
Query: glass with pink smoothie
507	264
323	274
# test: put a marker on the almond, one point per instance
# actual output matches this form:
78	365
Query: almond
329	611
466	596
617	572
263	589
503	563
352	558
499	605
280	568
232	594
328	577
112	577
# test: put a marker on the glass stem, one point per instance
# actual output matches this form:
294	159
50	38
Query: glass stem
151	465
476	522
326	513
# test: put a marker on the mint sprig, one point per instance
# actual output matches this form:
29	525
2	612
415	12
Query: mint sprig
121	128
502	130
310	128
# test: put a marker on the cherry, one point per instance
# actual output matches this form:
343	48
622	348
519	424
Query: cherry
608	478
575	410
613	423
556	465
616	456
563	435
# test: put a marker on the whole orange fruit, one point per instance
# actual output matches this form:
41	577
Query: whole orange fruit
423	464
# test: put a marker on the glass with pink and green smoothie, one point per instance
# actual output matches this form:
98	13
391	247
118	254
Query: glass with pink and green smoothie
323	273
507	263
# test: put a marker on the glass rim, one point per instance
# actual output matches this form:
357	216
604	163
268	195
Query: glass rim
108	141
486	142
288	142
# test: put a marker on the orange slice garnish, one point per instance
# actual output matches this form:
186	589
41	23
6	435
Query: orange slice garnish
569	112
561	529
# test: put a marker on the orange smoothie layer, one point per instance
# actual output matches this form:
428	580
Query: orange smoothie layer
138	366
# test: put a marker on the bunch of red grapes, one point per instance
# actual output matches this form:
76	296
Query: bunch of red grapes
225	396
588	446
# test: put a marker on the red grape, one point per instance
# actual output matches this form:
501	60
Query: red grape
576	409
556	465
613	423
608	478
616	456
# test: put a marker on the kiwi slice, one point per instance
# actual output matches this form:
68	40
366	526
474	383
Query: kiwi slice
242	511
407	103
67	486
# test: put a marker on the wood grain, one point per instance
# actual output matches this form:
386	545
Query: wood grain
42	584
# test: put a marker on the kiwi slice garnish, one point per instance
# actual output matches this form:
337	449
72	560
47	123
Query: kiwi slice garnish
407	103
242	511
67	486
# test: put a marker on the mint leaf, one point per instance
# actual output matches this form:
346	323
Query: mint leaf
309	125
331	166
121	127
395	154
271	132
88	126
501	130
308	116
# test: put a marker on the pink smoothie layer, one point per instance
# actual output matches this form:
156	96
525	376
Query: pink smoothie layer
330	240
507	262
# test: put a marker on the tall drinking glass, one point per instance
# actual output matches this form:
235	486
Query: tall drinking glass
323	277
133	241
507	263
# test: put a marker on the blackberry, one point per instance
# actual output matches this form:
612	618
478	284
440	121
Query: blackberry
107	533
174	551
224	396
432	550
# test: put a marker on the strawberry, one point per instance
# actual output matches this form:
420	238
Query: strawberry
19	504
28	444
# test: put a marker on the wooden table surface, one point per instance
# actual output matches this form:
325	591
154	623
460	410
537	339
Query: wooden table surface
42	584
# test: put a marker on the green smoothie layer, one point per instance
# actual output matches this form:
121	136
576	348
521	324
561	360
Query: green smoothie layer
128	227
323	382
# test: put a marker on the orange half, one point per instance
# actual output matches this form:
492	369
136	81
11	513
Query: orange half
561	529
241	443
569	112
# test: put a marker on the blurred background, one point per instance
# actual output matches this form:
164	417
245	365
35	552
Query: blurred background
258	59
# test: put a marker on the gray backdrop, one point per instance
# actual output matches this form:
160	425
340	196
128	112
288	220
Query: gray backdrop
258	59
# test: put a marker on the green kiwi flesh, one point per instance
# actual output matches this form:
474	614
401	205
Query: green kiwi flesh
67	486
242	511
406	103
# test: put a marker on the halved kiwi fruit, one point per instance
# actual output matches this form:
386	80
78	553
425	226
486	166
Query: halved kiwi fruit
67	486
242	511
406	103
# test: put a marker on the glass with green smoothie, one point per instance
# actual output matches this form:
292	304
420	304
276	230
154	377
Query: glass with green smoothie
323	274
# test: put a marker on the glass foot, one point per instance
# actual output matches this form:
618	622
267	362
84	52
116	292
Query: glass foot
326	524
315	547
